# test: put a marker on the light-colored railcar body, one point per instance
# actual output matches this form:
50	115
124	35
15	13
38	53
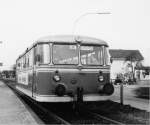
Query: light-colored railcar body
65	68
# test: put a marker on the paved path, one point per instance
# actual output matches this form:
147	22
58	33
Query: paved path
130	98
12	110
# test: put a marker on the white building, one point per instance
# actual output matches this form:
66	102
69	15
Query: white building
120	61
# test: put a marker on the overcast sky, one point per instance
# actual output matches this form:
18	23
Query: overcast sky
24	21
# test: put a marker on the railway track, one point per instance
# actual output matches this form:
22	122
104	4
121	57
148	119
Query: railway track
84	116
100	117
63	115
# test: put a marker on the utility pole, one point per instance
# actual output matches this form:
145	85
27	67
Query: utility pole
121	93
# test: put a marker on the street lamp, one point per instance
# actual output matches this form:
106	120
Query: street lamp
83	15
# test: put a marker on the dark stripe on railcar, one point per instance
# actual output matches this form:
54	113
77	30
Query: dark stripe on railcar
89	81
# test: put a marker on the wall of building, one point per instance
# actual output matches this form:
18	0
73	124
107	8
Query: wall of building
117	66
140	75
120	67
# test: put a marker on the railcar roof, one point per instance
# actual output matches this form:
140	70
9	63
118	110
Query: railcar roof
72	39
68	39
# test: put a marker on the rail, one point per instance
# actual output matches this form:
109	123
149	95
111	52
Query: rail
98	116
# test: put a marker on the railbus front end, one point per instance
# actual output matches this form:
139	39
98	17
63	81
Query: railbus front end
64	69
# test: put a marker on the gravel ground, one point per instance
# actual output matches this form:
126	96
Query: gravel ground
123	113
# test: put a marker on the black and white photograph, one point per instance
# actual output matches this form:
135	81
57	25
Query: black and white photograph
74	62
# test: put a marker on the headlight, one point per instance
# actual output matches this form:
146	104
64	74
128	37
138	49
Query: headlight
100	78
56	78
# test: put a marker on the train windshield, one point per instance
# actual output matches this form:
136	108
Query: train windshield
65	54
89	54
92	55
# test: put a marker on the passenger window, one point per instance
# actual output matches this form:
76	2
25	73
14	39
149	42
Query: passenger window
30	61
24	62
42	54
27	60
18	64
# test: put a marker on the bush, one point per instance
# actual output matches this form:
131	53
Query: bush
142	92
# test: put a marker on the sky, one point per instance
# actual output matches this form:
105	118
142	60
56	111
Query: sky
22	22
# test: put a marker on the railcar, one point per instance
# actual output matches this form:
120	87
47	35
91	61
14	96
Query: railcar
65	68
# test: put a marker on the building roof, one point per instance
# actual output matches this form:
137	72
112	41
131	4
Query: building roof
124	54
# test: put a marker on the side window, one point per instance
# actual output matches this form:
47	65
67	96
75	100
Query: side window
31	58
27	60
42	54
18	65
101	56
107	56
24	62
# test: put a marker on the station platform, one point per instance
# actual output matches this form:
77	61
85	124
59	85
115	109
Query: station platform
12	109
129	98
